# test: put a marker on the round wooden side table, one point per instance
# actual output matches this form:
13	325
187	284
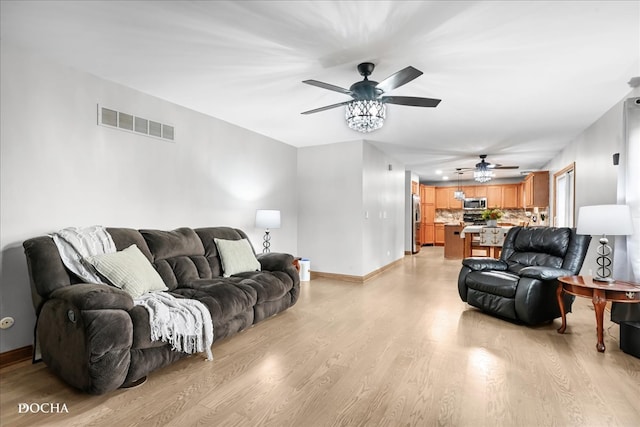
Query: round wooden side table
600	293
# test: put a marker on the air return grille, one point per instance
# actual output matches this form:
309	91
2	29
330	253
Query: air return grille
130	123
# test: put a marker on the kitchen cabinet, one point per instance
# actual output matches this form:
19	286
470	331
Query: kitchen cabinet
475	190
494	196
469	190
428	194
439	234
505	196
480	191
453	202
428	205
510	196
535	190
442	194
445	198
428	234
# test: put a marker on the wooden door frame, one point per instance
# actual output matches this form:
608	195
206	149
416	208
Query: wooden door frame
563	171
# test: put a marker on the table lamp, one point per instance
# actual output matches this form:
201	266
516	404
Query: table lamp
612	220
267	219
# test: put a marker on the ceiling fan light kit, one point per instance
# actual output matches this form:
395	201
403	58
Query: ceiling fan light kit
483	176
367	111
483	172
365	116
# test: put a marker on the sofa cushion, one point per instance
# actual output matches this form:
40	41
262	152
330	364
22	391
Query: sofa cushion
224	297
178	256
169	244
208	235
128	270
236	256
125	237
268	285
142	329
494	282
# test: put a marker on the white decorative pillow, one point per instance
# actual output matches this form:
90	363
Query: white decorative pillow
236	256
128	270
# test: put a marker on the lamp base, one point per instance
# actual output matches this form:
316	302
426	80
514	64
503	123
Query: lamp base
604	279
266	244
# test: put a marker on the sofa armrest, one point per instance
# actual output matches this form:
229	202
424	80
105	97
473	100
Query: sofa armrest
482	263
86	296
274	261
544	273
85	334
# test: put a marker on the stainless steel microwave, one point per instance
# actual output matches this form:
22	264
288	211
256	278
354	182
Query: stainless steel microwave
475	203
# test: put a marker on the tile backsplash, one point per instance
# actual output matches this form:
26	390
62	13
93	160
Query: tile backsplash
512	216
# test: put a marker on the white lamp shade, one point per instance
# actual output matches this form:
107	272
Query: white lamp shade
267	218
612	220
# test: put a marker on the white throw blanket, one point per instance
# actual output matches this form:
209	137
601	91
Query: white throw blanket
185	323
75	243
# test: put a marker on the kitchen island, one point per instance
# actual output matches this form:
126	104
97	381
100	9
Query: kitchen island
487	239
453	244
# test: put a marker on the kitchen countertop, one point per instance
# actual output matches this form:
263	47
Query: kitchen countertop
478	228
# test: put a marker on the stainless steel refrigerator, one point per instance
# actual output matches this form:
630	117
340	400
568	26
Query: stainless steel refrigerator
416	219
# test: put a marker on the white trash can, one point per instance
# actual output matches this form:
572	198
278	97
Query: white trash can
305	270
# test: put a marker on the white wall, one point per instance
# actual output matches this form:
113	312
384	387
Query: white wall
330	207
60	169
351	208
596	176
383	204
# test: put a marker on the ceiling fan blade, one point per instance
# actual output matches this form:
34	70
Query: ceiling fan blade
506	167
411	101
398	79
328	86
328	107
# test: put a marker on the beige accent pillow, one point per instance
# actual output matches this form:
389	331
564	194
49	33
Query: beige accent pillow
128	270
236	256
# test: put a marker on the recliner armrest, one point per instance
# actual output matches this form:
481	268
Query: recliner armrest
274	261
544	273
482	263
88	296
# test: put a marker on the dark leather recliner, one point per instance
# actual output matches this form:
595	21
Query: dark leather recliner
522	284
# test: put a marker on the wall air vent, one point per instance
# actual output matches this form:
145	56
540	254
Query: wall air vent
128	122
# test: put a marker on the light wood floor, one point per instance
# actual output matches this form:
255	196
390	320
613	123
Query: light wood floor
400	350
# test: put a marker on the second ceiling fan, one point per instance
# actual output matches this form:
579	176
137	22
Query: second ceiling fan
483	172
366	111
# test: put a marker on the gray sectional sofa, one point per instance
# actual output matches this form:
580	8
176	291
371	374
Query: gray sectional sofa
96	339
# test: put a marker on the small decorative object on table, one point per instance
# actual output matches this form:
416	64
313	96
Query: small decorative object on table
492	216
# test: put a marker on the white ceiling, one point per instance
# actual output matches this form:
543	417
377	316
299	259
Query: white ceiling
518	80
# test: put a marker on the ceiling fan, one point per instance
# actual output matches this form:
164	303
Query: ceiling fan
365	112
483	172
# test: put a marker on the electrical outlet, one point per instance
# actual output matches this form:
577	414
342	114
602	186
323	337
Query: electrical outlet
6	322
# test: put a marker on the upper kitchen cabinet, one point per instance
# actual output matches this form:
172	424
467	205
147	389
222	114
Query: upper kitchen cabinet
505	196
535	190
445	199
415	187
427	194
510	196
494	196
